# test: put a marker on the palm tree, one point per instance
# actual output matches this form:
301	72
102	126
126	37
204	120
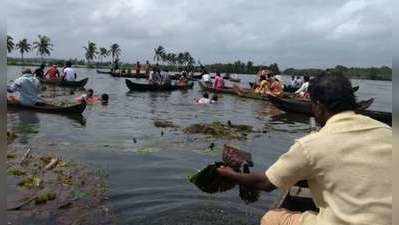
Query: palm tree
103	53
171	58
91	51
24	47
180	59
115	51
43	46
10	43
159	53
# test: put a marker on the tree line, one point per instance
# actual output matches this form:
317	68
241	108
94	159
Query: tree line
372	73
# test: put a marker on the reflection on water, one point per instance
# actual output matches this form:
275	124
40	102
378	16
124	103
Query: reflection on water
148	166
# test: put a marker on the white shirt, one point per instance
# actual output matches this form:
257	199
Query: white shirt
303	88
204	101
69	74
206	77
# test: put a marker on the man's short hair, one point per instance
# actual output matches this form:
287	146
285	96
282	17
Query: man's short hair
333	91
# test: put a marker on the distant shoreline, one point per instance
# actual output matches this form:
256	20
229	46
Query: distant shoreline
299	72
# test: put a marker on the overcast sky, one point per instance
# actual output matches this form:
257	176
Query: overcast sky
296	33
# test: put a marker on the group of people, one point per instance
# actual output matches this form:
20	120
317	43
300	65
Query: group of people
27	86
159	77
218	84
269	84
52	73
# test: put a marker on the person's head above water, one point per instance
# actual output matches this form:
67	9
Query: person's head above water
330	94
104	98
205	95
215	98
90	93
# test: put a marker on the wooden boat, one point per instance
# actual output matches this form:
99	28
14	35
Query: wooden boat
128	75
298	198
304	107
48	108
65	83
225	90
103	72
238	80
154	87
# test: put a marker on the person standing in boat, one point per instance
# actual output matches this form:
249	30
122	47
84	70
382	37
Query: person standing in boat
347	163
52	73
147	68
39	72
138	68
69	73
219	82
28	88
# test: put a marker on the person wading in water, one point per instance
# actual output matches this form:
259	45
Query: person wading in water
347	163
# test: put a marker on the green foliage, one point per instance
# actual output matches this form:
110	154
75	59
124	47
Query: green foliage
24	47
10	44
43	46
373	73
91	51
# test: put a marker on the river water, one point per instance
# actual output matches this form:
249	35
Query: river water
148	166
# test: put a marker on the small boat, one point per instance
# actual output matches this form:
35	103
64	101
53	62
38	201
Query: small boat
225	90
155	87
103	72
235	79
49	108
297	199
65	83
128	75
304	107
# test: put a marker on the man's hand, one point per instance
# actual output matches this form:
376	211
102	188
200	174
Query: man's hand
226	171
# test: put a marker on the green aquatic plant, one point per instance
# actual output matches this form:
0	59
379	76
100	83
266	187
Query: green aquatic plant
44	198
146	150
220	130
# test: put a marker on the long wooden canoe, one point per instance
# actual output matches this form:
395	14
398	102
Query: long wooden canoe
65	83
225	90
48	108
103	72
304	107
154	87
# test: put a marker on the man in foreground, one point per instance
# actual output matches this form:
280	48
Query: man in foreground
28	88
347	163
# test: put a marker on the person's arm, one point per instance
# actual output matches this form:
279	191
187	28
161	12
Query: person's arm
302	88
255	180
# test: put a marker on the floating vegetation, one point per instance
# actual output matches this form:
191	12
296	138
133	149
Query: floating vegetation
50	186
220	130
164	124
209	180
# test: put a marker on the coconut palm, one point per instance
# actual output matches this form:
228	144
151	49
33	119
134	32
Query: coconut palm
115	51
180	59
24	47
10	43
103	54
91	51
159	53
43	46
171	58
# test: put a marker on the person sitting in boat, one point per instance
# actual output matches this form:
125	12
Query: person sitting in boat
204	100
155	76
138	68
52	73
346	164
303	90
276	87
298	82
263	87
69	73
219	82
28	88
165	78
39	72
